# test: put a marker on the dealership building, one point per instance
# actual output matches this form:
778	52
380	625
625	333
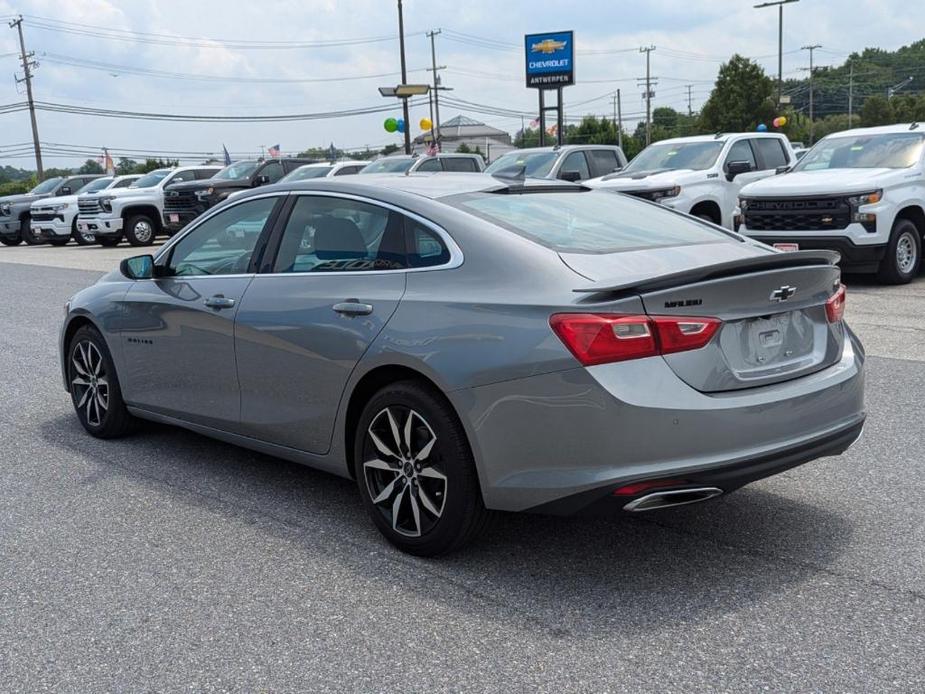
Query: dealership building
462	130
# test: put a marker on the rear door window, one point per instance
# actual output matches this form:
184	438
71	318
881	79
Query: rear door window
430	165
460	164
329	234
771	152
425	247
272	170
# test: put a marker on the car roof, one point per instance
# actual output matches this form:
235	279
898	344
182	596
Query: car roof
882	130
562	148
718	137
431	185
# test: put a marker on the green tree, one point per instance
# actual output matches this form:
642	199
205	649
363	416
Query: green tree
152	164
389	149
741	98
91	166
126	166
463	148
877	110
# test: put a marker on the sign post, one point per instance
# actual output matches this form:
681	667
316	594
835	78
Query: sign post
550	66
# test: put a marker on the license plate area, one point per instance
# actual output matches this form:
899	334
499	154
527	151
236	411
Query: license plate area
174	218
787	247
773	345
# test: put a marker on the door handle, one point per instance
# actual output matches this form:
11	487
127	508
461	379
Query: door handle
219	301
352	307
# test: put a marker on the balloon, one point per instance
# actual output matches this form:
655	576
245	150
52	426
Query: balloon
426	124
391	125
762	128
783	121
776	122
401	125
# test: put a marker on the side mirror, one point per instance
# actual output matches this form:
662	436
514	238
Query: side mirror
65	190
781	170
261	180
734	168
617	169
139	267
573	176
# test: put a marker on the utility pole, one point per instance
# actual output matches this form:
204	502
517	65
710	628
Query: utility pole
404	77
780	42
850	93
27	66
690	110
812	123
435	120
648	51
619	121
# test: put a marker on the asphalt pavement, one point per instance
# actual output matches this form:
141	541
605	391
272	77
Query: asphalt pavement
171	562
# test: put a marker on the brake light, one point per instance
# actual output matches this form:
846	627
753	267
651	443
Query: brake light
835	306
600	338
640	487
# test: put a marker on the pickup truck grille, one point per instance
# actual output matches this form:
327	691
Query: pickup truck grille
797	214
45	216
89	208
182	201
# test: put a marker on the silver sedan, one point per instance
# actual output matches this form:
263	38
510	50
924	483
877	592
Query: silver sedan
460	344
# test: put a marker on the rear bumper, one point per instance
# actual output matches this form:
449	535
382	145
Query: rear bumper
100	226
561	441
853	257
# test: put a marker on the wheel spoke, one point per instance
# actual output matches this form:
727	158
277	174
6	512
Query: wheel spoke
416	512
408	430
377	442
83	398
90	403
100	401
79	361
432	473
394	427
377	464
99	361
425	451
427	503
387	491
80	382
396	506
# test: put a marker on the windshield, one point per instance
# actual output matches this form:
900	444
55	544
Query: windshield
683	155
889	151
535	164
587	222
46	186
93	186
241	169
152	179
307	172
388	165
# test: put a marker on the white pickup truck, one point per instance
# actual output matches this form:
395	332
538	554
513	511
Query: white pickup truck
135	212
55	219
701	175
860	192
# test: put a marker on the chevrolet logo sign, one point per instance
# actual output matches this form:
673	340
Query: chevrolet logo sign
782	294
547	46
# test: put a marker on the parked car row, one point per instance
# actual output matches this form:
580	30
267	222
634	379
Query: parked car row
859	192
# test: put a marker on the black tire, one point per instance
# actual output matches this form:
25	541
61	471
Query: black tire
100	409
399	483
25	230
140	230
903	254
81	239
59	241
11	240
108	241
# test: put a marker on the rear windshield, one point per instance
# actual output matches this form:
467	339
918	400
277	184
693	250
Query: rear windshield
587	222
388	165
535	164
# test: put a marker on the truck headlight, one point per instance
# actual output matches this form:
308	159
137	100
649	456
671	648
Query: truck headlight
59	207
657	195
106	204
5	210
743	204
866	198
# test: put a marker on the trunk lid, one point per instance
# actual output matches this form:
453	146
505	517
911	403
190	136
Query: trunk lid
772	306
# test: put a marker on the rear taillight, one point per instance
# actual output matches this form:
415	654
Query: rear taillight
600	338
640	487
835	306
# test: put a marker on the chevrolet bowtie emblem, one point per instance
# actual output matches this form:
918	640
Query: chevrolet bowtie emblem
783	293
547	46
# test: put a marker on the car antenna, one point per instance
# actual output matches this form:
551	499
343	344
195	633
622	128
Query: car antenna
513	175
717	136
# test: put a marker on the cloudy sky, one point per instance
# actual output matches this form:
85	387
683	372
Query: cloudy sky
481	47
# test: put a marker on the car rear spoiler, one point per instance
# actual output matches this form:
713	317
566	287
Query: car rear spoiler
730	268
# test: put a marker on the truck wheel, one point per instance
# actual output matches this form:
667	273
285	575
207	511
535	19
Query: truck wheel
140	230
81	238
25	230
11	240
108	241
903	254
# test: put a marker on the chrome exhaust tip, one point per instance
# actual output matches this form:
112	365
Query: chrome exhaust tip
671	498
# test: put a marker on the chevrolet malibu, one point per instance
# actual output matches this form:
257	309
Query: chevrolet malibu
460	344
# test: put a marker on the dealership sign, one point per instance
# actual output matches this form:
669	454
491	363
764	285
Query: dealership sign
550	59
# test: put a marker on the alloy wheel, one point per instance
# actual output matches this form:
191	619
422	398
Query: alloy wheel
403	471
906	252
89	382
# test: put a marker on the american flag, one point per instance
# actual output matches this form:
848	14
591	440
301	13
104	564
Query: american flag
273	151
535	123
432	149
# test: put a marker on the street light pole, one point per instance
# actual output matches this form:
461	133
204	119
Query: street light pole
404	78
780	42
